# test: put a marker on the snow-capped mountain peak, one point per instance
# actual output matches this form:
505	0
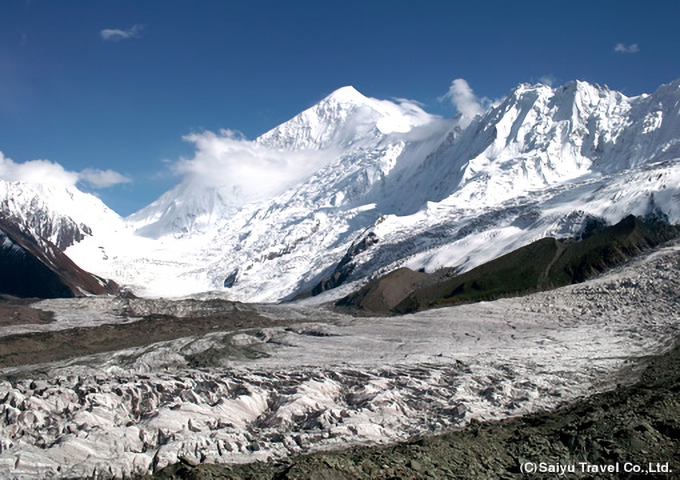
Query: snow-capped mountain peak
344	127
347	95
342	119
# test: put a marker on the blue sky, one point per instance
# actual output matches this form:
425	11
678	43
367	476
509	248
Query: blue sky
98	85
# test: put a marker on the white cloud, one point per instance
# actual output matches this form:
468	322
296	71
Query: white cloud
102	178
548	80
623	48
35	171
464	99
245	170
409	101
51	173
114	34
466	102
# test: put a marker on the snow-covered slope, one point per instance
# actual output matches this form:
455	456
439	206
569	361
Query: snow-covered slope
431	192
61	214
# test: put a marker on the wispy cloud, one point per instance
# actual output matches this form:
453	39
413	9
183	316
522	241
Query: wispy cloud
47	172
409	101
115	34
548	80
247	171
463	98
102	178
623	48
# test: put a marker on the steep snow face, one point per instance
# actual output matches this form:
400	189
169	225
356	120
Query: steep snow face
651	133
541	136
189	207
434	192
537	137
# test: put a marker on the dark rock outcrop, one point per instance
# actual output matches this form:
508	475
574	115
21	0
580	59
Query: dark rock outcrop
345	267
231	279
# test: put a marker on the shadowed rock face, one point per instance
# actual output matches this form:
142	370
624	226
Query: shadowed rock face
345	266
542	265
25	276
31	267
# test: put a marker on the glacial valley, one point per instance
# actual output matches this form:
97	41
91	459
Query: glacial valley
267	381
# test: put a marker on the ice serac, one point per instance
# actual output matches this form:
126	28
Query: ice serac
431	192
